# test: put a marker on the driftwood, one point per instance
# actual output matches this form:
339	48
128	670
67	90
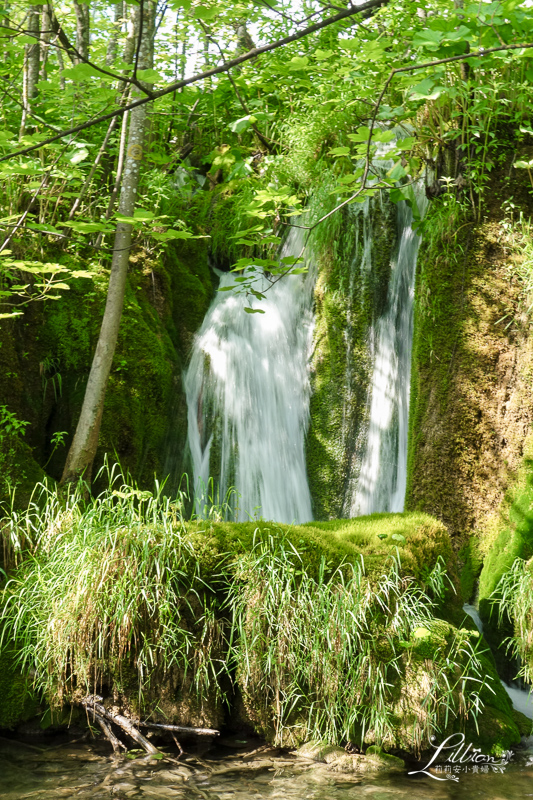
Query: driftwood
94	705
180	729
115	742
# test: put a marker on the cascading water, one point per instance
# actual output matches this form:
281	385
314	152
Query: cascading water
383	473
247	391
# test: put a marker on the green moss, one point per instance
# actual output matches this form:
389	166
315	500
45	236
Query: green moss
45	358
424	540
515	537
523	723
470	349
495	733
470	564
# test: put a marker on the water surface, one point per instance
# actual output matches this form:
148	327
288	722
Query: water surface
87	770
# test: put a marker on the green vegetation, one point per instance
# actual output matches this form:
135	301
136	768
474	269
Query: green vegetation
339	629
117	595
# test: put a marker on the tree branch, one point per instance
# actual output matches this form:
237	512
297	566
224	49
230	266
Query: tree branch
76	57
256	51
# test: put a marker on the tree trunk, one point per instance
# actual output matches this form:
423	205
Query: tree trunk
112	45
129	44
83	449
31	65
46	34
82	30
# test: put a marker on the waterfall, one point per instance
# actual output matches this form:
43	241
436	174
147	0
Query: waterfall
383	473
247	389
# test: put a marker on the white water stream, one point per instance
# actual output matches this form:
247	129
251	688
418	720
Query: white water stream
247	391
383	474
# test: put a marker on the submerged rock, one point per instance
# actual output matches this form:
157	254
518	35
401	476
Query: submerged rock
338	760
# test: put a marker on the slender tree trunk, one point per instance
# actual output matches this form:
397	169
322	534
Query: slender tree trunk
83	449
112	45
46	34
82	29
131	39
31	66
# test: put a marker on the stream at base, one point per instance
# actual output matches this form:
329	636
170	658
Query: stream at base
86	770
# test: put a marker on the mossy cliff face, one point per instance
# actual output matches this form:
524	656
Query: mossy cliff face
471	404
471	392
45	358
354	256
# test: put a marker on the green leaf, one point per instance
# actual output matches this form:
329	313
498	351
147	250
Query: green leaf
205	13
428	39
253	310
407	143
79	156
149	76
143	215
242	124
88	227
81	273
82	72
397	172
398	537
298	62
362	135
339	151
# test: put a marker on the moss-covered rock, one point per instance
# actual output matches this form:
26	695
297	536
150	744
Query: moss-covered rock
338	760
471	406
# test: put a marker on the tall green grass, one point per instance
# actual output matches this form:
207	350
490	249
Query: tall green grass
514	598
107	586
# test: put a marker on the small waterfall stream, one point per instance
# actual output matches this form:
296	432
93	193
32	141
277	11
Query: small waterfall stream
247	389
383	473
